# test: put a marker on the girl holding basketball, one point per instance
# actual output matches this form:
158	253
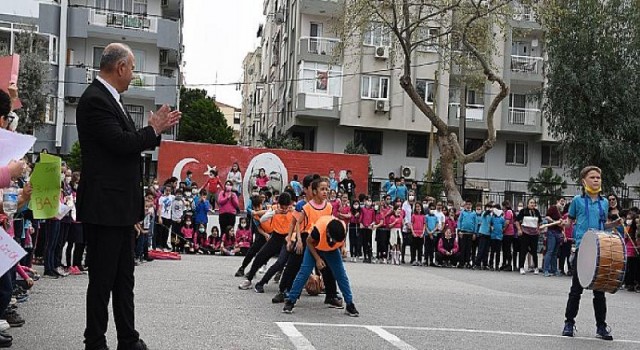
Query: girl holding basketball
589	212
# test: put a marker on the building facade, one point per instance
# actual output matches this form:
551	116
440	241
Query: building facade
328	99
78	31
232	116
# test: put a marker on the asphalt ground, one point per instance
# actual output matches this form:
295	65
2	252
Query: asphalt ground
195	304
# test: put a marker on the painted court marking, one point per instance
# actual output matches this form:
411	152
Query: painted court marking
302	343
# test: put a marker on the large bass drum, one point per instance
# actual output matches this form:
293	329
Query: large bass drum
602	261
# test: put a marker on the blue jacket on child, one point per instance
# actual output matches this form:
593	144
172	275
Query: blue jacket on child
485	223
497	229
467	221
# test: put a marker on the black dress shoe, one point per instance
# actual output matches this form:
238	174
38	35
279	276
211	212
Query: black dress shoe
140	345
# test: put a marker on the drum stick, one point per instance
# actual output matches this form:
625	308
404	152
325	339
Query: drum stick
550	224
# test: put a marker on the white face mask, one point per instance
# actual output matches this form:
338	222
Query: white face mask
629	222
356	206
411	198
376	207
156	187
520	208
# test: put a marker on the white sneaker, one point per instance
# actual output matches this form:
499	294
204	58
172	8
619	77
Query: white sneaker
62	272
522	272
262	270
4	325
246	284
536	271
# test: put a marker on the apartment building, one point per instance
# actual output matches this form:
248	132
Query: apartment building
327	100
232	116
252	90
78	31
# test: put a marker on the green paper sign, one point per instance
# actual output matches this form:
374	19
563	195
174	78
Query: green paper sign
45	181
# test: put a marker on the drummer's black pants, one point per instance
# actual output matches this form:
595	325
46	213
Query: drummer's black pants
573	304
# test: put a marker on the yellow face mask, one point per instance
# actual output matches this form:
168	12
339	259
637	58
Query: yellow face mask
591	190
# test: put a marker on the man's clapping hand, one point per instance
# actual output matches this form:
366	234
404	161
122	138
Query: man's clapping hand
164	119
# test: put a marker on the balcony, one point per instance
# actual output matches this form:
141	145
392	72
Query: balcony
317	49
524	116
321	7
318	106
523	13
475	112
527	68
105	18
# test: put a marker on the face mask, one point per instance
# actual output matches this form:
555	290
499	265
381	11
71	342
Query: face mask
478	211
411	198
629	222
156	187
520	208
376	207
201	230
356	206
188	223
67	179
188	194
228	188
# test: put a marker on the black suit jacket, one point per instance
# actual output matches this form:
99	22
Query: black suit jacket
110	191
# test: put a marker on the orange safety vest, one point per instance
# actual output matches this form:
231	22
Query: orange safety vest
321	226
280	223
312	215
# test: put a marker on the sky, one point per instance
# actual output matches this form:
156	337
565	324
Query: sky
218	34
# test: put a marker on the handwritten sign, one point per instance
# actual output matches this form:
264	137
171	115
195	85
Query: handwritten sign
10	252
45	181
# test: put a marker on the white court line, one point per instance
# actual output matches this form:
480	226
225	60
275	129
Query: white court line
298	340
463	330
391	338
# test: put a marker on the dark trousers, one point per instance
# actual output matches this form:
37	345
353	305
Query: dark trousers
382	243
270	249
226	220
6	289
40	238
495	246
75	243
163	234
631	276
465	247
429	249
573	304
111	261
516	252
507	243
258	242
62	240
564	256
406	242
451	259
416	248
53	234
529	244
367	248
277	266
483	250
354	249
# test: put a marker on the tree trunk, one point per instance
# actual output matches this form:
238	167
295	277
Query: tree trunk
447	159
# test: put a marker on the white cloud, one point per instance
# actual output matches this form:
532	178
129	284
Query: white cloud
218	34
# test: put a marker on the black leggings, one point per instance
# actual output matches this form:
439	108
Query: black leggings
416	248
75	242
293	266
365	238
529	244
382	242
269	250
226	220
258	242
277	266
429	248
631	277
564	255
466	243
354	248
507	242
495	245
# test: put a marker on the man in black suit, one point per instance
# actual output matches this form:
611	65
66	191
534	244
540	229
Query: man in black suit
110	194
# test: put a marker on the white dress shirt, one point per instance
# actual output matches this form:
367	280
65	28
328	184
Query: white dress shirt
113	92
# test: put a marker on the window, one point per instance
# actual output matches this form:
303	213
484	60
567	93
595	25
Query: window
471	145
50	110
53	49
319	78
429	38
426	89
551	155
139	6
374	86
140	59
97	54
516	153
137	114
417	145
377	34
371	140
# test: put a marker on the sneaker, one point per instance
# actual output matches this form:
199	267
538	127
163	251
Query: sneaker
536	271
13	318
4	325
259	288
278	298
240	272
351	310
60	271
288	307
51	275
604	333
262	270
334	303
569	329
546	274
246	284
522	272
76	271
276	278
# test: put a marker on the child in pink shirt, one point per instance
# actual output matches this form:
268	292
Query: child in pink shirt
243	236
417	231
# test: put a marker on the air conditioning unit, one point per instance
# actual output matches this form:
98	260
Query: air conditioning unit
382	52
70	100
89	76
408	172
382	106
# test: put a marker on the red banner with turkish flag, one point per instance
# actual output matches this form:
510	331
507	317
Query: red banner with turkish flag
175	158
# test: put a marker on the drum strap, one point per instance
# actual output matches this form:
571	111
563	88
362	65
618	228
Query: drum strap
603	219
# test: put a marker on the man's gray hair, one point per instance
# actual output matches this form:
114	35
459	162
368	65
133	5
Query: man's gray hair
112	55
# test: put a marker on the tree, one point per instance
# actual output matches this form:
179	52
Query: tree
201	120
437	184
74	159
465	39
280	142
32	80
547	186
592	97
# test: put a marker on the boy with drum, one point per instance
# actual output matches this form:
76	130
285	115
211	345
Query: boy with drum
589	212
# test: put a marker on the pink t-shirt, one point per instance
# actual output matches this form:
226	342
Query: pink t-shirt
345	209
262	181
187	232
243	237
508	228
367	215
392	218
417	221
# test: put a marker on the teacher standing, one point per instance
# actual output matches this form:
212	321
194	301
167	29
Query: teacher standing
110	194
